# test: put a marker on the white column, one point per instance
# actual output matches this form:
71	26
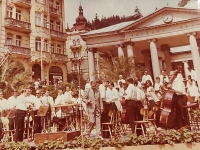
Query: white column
130	50
195	55
154	58
120	51
185	63
91	65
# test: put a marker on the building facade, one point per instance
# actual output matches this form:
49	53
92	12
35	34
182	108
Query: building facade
33	32
150	40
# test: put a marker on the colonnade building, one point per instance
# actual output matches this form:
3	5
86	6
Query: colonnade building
166	39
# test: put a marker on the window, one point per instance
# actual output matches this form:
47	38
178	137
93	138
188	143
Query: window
52	48
46	45
18	14
41	1
18	40
37	19
59	50
45	21
51	24
9	39
76	54
58	6
38	43
9	12
57	26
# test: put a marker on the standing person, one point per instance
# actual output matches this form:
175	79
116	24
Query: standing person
87	85
179	99
164	79
11	104
60	100
37	119
48	100
134	105
20	114
120	80
68	94
94	108
192	91
193	74
146	77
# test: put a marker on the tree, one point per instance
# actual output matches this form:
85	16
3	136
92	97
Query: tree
13	76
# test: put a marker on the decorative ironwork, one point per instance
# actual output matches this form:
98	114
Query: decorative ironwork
41	7
60	57
58	34
54	11
17	23
27	2
18	50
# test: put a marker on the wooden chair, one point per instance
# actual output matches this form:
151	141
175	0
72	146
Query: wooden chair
107	126
8	134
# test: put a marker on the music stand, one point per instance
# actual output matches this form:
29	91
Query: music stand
42	111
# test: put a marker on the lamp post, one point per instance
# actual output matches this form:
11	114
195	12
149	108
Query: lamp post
41	60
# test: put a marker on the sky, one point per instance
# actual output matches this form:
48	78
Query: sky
112	7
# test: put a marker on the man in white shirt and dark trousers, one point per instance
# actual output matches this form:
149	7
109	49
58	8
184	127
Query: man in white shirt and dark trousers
179	99
134	104
21	109
12	102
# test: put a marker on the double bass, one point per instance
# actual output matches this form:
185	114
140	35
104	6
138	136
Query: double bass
124	114
167	116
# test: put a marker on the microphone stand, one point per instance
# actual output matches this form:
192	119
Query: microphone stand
79	84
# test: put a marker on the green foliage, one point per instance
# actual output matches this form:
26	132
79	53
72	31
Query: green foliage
14	146
112	67
46	145
73	79
13	76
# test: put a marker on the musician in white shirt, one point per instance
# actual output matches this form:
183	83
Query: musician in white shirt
146	77
37	119
163	78
134	105
3	102
179	99
68	94
11	104
120	80
192	73
193	91
60	100
21	109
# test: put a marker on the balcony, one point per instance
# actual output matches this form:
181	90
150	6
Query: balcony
59	57
23	3
57	35
76	71
36	56
17	25
54	12
18	50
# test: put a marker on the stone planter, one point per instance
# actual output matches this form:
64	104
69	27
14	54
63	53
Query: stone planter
180	146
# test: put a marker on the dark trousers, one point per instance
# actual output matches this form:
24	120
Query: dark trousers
181	114
133	109
19	120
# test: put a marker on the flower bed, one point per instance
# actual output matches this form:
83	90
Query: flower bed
183	138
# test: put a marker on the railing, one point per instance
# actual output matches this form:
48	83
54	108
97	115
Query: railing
17	23
61	57
28	2
18	50
58	34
